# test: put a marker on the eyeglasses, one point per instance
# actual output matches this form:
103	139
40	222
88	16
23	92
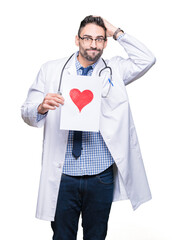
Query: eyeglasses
89	40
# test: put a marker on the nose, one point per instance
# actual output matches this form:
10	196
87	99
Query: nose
93	43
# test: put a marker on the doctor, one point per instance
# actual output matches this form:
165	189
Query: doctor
83	172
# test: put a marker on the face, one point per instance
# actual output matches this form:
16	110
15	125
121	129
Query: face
90	50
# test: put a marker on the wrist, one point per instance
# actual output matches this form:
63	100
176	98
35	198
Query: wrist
41	110
117	33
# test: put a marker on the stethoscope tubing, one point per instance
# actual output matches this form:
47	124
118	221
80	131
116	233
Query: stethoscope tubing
61	75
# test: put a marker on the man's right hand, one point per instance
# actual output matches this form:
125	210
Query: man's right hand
50	102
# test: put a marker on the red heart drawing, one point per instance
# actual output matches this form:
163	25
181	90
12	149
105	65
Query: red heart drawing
81	99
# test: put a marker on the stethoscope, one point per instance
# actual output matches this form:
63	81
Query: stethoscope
106	67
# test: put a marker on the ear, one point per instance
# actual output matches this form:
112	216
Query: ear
77	40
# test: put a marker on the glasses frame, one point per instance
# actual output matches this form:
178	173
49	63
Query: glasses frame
90	39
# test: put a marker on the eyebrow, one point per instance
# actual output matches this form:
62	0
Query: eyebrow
99	36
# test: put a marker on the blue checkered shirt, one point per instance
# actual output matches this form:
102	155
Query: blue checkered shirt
95	156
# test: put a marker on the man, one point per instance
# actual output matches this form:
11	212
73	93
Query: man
83	172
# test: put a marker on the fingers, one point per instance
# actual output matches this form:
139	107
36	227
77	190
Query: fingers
50	102
110	28
53	99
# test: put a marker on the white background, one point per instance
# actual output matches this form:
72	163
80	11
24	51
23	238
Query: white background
33	32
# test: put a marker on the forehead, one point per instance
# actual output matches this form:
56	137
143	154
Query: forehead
92	30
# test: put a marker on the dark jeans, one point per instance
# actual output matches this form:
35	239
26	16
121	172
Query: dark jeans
89	195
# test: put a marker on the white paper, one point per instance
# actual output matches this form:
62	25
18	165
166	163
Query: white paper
77	116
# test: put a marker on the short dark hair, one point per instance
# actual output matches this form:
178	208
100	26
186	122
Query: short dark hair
90	19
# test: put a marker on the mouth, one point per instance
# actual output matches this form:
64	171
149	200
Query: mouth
93	50
92	54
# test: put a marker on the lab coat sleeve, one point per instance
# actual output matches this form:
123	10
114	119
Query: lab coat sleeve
139	60
34	98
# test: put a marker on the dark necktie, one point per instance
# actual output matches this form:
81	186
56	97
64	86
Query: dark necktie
77	137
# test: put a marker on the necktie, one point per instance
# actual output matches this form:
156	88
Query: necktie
77	137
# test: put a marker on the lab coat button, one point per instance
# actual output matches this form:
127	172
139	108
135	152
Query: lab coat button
59	165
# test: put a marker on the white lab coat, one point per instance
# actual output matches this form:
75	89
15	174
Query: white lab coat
116	126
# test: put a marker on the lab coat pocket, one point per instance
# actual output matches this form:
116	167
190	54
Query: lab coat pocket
133	138
134	144
43	148
113	95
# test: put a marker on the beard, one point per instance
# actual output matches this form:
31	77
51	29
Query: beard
93	57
